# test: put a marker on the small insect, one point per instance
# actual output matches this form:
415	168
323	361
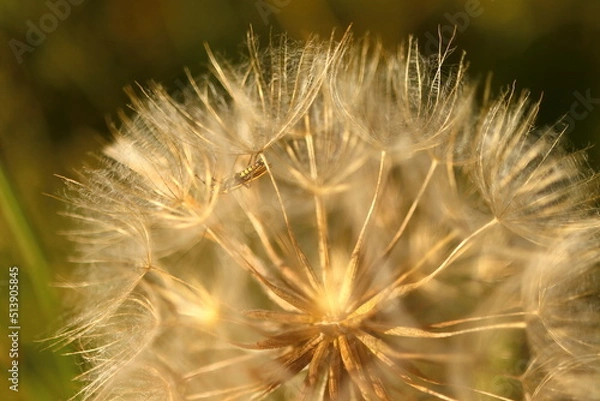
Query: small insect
243	178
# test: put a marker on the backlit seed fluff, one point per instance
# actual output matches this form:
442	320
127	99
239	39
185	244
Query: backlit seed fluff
335	221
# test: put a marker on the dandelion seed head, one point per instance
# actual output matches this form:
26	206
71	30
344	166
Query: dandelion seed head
333	221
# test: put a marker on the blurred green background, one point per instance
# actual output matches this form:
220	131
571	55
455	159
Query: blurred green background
63	64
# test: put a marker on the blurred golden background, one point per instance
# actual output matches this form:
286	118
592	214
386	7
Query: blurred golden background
63	64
